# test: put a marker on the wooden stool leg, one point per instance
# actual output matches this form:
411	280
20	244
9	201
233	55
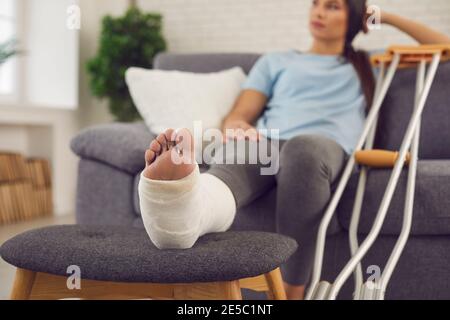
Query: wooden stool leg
275	284
223	290
232	290
23	283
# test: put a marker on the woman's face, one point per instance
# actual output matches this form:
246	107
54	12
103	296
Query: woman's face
328	19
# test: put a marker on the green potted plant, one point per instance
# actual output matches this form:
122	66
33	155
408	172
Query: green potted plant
7	50
131	40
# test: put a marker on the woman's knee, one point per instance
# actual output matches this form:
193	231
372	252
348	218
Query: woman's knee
302	152
313	155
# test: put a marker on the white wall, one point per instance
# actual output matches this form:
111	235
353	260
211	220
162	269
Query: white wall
264	25
13	138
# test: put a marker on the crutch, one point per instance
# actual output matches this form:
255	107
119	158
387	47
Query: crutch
395	57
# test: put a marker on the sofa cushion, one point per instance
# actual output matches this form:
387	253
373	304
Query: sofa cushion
179	99
397	109
431	215
128	255
121	145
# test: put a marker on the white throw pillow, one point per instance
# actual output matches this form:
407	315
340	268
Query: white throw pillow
175	99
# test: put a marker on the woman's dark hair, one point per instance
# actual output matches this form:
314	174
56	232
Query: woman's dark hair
359	58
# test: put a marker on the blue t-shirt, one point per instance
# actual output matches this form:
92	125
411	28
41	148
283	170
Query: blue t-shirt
309	94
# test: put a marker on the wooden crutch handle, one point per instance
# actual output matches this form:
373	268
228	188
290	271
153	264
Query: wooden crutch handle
378	158
377	59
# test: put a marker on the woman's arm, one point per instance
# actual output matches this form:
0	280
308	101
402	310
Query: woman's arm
419	31
248	106
246	110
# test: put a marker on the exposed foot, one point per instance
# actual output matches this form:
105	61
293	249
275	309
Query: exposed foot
166	161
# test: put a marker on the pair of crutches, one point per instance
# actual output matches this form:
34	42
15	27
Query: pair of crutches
395	57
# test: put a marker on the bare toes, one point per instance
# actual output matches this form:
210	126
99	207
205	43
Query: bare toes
184	146
149	156
155	146
161	138
185	141
170	135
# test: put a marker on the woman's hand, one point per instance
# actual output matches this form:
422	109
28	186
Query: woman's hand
367	15
239	130
384	18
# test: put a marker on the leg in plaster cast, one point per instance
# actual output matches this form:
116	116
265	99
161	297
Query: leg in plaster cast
178	204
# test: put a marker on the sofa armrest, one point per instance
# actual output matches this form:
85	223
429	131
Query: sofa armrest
121	145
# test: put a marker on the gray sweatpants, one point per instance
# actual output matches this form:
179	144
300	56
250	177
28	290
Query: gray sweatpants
308	166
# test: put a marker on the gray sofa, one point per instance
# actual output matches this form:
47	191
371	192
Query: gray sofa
111	158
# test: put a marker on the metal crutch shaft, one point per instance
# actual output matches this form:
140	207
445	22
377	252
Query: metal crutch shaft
359	197
409	199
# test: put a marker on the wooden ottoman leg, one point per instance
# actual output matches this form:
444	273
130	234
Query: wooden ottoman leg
275	284
224	290
232	290
23	283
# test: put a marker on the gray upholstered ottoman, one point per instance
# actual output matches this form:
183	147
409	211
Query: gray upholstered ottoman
122	262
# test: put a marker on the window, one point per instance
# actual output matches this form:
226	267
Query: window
45	73
8	27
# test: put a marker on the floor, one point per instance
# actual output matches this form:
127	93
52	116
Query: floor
9	231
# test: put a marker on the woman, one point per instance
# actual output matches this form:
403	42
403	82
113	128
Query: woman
317	100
